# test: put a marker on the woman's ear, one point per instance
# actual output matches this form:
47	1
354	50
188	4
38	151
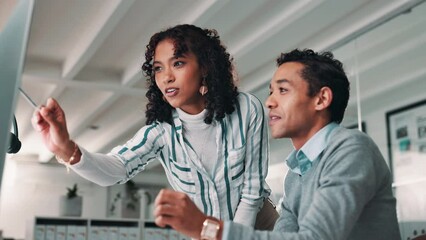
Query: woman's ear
324	98
203	90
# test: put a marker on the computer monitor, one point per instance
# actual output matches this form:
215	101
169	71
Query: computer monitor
13	45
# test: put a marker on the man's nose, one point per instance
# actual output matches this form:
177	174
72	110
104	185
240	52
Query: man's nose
270	102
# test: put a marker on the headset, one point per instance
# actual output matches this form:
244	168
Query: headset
14	143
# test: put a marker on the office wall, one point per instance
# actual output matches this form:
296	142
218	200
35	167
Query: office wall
31	188
411	198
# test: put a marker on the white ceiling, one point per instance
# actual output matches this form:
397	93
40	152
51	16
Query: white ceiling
87	53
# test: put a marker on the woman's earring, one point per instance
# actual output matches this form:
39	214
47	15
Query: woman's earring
203	90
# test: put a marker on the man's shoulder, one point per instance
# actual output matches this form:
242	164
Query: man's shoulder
351	142
344	136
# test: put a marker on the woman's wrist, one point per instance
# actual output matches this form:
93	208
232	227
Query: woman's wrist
69	149
65	151
69	155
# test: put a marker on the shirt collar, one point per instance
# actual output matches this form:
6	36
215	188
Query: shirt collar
301	160
191	118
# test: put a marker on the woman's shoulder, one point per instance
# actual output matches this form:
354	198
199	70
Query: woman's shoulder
154	128
248	100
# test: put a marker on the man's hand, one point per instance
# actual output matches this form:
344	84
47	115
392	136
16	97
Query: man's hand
175	209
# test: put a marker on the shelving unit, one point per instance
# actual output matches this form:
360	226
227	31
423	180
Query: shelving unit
68	228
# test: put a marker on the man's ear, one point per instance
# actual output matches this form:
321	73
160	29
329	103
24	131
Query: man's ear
324	98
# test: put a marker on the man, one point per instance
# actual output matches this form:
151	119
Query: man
338	186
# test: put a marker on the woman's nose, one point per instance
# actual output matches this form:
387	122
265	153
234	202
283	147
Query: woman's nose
167	77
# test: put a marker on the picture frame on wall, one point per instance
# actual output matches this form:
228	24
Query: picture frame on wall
406	137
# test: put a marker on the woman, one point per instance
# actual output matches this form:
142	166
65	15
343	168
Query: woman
211	140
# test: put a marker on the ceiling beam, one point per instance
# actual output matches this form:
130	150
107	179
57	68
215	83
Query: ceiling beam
128	80
95	36
205	11
391	84
95	86
363	20
370	63
276	24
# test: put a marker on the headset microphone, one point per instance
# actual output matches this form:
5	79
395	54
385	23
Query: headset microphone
14	143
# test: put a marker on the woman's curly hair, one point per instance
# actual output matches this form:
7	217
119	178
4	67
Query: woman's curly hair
213	59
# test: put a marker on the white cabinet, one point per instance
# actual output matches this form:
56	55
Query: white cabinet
65	228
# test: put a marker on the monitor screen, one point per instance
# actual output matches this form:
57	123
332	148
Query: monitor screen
13	45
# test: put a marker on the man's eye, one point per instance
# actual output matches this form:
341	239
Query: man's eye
283	90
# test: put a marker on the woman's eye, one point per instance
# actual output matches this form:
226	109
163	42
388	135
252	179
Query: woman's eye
178	64
156	68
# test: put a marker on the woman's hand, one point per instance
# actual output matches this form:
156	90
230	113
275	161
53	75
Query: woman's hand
50	121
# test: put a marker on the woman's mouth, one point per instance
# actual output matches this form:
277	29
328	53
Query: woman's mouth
171	92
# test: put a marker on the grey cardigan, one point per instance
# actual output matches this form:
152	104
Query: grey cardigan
346	194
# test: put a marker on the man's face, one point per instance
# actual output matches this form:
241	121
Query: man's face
292	112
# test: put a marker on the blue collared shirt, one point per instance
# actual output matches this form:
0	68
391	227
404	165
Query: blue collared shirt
300	161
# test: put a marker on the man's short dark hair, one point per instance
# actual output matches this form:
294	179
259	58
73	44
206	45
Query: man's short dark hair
322	70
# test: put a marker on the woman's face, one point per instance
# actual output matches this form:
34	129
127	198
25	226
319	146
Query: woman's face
178	77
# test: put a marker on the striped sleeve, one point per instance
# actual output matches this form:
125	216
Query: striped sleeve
257	154
145	146
123	162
